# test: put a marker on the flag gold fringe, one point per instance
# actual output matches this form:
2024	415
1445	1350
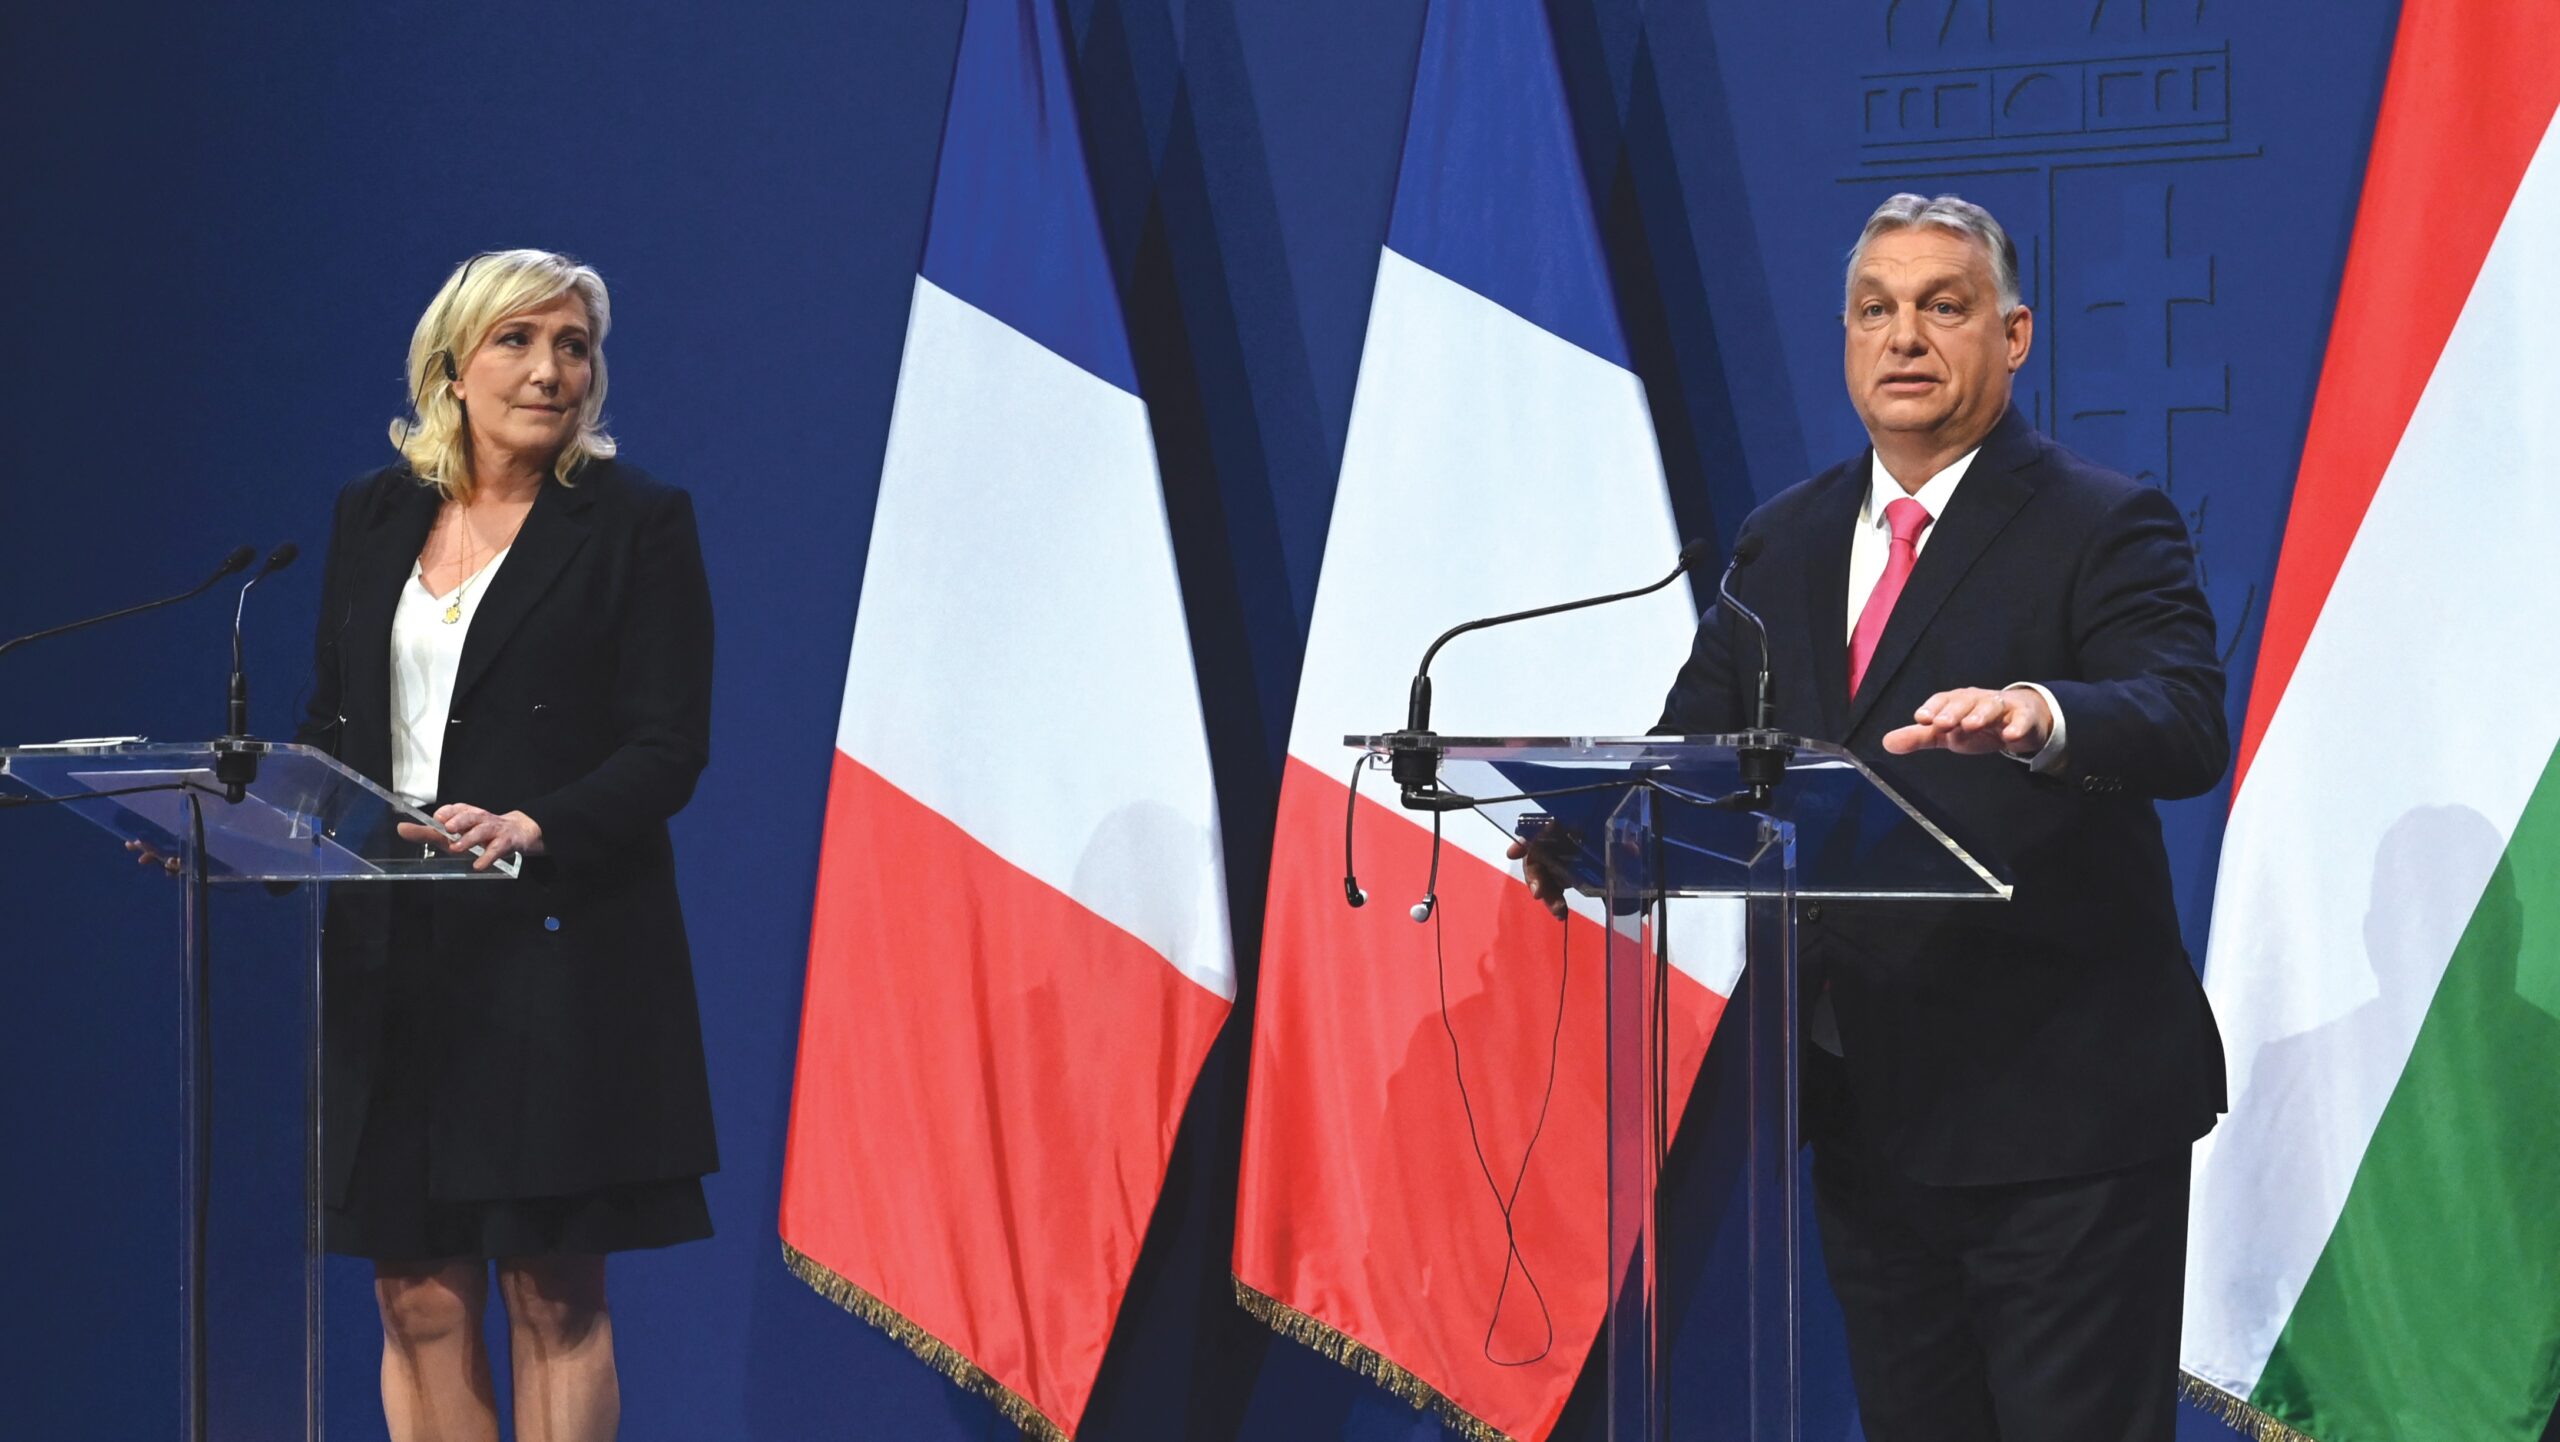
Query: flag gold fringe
2235	1413
941	1356
1340	1346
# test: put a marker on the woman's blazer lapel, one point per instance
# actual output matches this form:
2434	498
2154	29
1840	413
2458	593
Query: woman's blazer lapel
553	531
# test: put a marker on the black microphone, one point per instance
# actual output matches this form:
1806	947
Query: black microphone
232	565
1411	757
1763	759
234	767
1746	551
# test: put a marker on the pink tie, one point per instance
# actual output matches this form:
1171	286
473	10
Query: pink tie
1908	519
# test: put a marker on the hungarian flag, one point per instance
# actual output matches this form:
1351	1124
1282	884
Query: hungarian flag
1412	1084
1019	953
2376	1241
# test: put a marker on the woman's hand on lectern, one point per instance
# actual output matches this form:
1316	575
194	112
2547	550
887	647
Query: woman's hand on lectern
498	836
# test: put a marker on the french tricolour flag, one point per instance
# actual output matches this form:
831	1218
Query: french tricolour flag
1019	954
1500	455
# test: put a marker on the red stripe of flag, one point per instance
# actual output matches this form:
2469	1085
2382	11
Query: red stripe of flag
2471	91
967	1129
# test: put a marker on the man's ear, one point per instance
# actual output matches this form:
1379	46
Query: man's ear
2021	325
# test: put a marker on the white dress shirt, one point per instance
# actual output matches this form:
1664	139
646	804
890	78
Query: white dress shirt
1872	545
425	655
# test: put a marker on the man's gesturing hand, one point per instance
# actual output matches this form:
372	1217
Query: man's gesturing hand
1976	722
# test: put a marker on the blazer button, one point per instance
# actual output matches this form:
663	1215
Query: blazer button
551	923
1812	912
456	721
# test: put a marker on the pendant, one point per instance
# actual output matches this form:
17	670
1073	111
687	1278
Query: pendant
453	613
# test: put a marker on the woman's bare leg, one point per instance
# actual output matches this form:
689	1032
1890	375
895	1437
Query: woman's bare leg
435	1366
561	1338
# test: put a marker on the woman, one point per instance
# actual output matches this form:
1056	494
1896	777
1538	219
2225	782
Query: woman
515	633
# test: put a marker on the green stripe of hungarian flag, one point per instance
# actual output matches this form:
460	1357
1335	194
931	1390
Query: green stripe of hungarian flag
2376	1248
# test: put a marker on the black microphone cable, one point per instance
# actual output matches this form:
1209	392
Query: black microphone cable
1351	891
1507	1203
1428	909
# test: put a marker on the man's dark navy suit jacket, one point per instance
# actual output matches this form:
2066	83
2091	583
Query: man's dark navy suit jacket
2062	1032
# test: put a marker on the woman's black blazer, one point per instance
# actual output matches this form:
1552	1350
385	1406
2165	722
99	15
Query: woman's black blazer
566	1044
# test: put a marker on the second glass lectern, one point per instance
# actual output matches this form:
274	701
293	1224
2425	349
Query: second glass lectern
233	812
1778	822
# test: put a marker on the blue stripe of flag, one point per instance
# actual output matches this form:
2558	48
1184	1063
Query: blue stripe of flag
1014	230
1491	192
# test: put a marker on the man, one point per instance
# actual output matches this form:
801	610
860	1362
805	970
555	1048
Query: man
2001	1098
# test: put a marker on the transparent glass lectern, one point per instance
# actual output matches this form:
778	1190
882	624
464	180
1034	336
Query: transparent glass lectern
234	812
1636	822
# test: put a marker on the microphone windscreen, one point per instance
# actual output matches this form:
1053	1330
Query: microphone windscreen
1747	550
283	556
1697	556
237	561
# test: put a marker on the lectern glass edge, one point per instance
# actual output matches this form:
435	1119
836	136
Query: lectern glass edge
1638	751
64	768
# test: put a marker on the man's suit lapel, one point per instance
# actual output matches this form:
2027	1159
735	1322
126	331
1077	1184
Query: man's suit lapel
1826	575
552	533
1992	490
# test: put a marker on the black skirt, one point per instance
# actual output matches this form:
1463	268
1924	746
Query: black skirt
387	1215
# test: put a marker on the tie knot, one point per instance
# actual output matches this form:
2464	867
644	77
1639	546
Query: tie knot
1908	518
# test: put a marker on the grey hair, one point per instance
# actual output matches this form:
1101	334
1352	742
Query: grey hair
1950	213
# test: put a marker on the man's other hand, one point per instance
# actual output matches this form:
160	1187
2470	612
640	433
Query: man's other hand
1976	722
1545	873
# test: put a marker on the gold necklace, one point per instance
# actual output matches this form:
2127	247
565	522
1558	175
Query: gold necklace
453	603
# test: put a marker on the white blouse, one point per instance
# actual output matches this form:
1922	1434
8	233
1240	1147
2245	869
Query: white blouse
426	652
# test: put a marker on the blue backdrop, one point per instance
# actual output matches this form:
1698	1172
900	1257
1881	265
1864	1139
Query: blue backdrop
223	221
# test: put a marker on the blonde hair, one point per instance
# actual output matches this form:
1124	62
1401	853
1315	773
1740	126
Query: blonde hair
481	292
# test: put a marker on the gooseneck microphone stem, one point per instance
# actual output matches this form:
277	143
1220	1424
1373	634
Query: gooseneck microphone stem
236	715
1418	702
234	765
1413	758
1761	757
1764	705
232	565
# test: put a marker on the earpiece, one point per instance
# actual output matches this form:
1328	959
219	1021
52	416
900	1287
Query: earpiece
452	372
1421	910
1351	892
